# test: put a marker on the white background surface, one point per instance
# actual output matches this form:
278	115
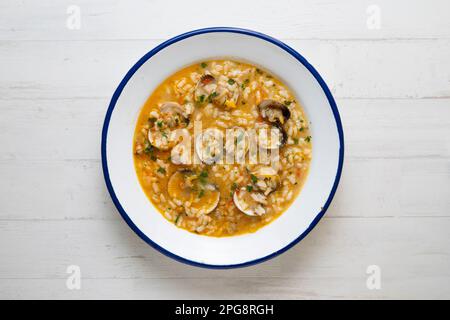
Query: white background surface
392	208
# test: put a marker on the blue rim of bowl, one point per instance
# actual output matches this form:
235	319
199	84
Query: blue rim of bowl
183	36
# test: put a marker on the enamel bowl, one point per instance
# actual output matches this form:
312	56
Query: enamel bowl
237	251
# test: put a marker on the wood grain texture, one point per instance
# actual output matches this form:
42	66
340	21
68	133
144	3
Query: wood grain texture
392	209
74	190
352	69
329	263
298	19
69	129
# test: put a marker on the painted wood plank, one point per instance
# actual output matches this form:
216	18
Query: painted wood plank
71	129
68	190
392	207
353	69
330	263
31	20
396	128
50	158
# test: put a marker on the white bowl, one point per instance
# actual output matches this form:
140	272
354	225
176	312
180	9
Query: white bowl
237	251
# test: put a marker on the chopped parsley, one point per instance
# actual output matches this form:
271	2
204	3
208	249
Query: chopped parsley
212	96
245	83
203	65
201	193
159	124
249	188
203	176
149	149
308	139
254	178
161	170
201	99
287	102
296	140
231	82
177	218
234	186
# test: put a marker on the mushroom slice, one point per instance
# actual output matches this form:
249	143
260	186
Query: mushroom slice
266	179
274	111
250	203
209	146
171	115
187	189
180	185
174	114
206	199
160	139
171	107
271	136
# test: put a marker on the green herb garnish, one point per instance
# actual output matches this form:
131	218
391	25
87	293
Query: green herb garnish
149	149
254	178
308	139
231	82
245	83
204	65
212	96
203	176
161	170
249	188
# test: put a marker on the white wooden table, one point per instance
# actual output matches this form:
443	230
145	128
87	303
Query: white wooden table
387	63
